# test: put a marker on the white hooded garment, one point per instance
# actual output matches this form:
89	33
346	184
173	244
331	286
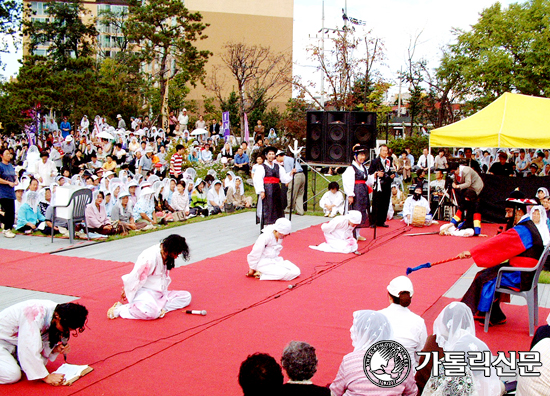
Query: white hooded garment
339	234
264	256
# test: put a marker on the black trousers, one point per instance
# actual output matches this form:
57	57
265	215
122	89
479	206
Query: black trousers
380	204
8	206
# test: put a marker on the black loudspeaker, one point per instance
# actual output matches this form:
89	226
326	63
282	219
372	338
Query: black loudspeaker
363	129
331	135
314	141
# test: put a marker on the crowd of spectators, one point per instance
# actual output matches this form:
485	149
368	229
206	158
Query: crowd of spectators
141	176
453	330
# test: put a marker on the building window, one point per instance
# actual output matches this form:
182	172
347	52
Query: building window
39	8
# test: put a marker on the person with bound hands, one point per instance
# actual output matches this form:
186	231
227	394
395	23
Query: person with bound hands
33	332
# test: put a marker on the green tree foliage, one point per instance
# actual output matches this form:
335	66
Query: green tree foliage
64	32
165	32
294	119
10	25
415	143
508	49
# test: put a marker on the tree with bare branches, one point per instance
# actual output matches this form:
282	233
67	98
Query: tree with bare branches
350	69
260	74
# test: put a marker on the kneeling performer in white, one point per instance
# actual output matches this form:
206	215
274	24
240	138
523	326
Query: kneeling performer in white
339	234
264	260
145	289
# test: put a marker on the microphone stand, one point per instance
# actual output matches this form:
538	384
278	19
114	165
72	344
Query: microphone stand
291	204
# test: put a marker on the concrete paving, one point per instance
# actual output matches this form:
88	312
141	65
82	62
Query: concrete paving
10	296
206	239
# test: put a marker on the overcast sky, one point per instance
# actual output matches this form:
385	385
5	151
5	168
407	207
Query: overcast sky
394	21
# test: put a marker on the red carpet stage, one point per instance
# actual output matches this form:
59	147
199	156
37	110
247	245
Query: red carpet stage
200	355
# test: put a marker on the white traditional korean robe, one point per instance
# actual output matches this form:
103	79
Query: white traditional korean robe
265	259
146	288
339	236
23	328
330	198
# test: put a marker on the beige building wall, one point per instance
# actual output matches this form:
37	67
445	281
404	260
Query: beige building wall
262	22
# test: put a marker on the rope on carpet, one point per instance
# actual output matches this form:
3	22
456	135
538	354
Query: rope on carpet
318	271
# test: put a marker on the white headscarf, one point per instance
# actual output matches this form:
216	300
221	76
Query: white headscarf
229	183
542	226
33	156
190	174
241	186
76	180
32	199
354	216
118	205
368	328
136	184
42	195
166	191
158	187
455	331
454	322
152	179
112	187
544	190
283	226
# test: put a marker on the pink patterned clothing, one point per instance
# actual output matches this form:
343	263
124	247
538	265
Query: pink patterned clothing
351	380
146	288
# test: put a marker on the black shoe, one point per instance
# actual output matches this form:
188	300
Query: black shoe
383	225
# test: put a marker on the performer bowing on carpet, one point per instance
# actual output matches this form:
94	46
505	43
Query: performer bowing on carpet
264	262
267	179
356	187
520	246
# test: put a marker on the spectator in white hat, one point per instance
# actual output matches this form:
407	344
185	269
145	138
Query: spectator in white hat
409	329
121	122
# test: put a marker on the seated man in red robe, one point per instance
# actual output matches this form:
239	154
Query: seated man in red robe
519	246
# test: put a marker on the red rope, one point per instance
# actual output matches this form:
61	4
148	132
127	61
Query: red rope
446	260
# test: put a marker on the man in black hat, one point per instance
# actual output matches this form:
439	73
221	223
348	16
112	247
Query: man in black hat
519	246
356	182
381	168
267	179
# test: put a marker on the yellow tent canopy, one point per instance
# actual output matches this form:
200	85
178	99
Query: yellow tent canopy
511	121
